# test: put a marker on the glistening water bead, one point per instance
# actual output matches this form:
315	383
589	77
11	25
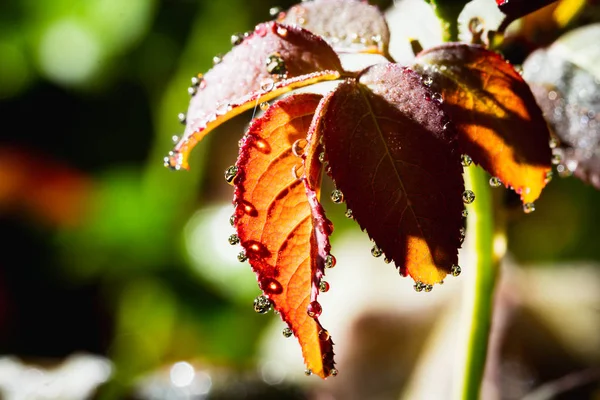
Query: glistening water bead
233	239
275	64
337	196
330	261
314	309
237	38
230	174
287	332
323	286
262	304
455	270
468	197
495	182
376	251
242	257
419	286
349	213
528	208
465	160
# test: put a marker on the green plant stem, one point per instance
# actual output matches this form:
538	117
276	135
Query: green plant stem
478	292
447	12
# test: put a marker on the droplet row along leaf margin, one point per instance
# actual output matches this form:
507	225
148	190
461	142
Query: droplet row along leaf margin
284	235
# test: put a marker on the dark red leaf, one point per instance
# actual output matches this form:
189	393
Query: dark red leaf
270	61
500	125
392	154
515	9
347	25
280	223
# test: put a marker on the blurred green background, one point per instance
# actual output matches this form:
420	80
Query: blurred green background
105	251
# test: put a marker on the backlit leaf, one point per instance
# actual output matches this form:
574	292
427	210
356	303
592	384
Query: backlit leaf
270	61
347	25
283	231
499	123
392	154
565	79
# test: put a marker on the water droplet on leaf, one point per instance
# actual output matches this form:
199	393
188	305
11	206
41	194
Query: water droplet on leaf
333	372
428	288
419	286
553	143
233	239
230	174
438	98
349	213
324	286
264	106
314	309
267	85
465	213
298	147
455	270
337	196
181	118
468	196
324	335
495	182
330	261
274	11
307	372
287	332
262	304
465	160
528	208
192	90
275	64
376	251
427	80
232	220
322	157
556	159
242	256
217	59
237	38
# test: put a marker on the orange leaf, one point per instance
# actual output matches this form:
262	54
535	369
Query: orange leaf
392	154
270	61
284	233
500	125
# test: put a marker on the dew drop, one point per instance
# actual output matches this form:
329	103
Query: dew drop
175	138
264	106
438	98
468	196
267	85
349	214
262	304
376	251
330	261
307	372
419	286
287	332
553	143
298	147
324	335
314	309
465	160
181	117
237	38
428	288
495	182
295	173
232	220
196	80
242	256
271	286
549	176
465	213
333	372
275	64
462	232
387	260
192	90
427	80
233	239
274	11
455	270
173	161
528	208
322	157
323	286
337	196
556	159
281	31
217	59
230	174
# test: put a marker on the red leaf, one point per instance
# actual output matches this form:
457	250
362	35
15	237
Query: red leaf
347	25
515	9
269	62
284	232
392	155
499	123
